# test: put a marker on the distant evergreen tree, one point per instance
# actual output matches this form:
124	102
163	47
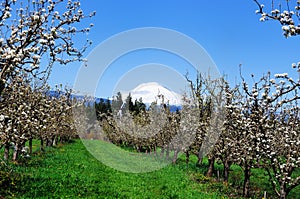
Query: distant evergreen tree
129	103
102	107
117	102
138	106
134	108
90	113
108	106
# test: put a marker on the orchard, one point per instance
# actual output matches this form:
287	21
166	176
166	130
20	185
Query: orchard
250	125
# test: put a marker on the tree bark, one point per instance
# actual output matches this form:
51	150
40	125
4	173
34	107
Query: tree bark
42	145
187	157
200	158
211	167
168	153
16	152
283	193
226	165
162	152
54	141
246	186
48	142
175	156
30	146
6	152
155	151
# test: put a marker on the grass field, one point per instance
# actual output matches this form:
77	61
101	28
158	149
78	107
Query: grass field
70	171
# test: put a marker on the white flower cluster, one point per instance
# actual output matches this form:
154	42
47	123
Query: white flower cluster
33	31
27	114
286	17
262	128
36	30
283	75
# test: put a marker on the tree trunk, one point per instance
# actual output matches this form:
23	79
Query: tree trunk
6	152
187	157
162	152
62	140
168	153
54	141
246	187
226	165
30	146
283	193
155	151
42	145
16	152
175	156
200	158
49	142
211	167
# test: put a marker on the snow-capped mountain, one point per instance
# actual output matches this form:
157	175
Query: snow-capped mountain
149	93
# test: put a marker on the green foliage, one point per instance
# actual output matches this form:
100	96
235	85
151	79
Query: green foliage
200	178
9	180
71	172
9	183
134	108
117	102
101	108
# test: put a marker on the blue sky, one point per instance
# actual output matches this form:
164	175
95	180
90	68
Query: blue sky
229	31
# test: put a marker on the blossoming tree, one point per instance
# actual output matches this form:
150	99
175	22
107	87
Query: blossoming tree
286	14
36	34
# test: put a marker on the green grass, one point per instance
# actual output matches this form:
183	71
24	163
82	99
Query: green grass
124	160
71	171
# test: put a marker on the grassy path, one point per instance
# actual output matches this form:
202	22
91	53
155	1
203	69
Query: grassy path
72	172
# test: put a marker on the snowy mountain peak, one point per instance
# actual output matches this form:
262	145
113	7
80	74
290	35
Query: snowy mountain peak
150	91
